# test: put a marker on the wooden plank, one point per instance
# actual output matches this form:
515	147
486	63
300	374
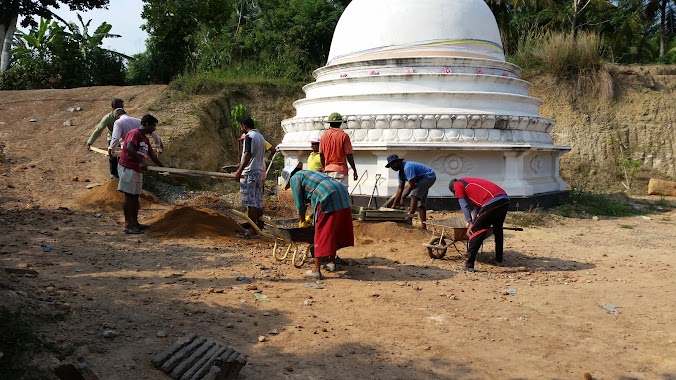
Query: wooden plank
181	354
227	363
190	172
239	364
387	217
163	356
182	367
199	374
103	151
382	212
200	173
214	374
211	354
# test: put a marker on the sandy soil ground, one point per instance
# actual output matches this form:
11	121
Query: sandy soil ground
393	313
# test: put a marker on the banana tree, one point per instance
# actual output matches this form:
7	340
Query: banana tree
38	41
89	42
10	10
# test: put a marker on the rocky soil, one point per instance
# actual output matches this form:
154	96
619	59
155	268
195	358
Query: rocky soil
575	296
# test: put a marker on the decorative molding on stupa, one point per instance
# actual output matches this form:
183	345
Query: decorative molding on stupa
446	122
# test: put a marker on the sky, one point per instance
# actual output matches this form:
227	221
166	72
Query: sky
123	15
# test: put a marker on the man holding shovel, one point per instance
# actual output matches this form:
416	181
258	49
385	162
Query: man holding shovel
492	203
418	179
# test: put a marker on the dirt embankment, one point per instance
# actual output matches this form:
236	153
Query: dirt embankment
635	129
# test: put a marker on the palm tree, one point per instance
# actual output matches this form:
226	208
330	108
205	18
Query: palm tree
667	13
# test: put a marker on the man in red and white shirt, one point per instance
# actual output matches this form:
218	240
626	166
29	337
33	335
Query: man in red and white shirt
133	161
492	203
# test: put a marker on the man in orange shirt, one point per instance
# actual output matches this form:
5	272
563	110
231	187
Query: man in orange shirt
335	150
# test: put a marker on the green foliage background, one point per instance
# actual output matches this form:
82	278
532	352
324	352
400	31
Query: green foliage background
288	39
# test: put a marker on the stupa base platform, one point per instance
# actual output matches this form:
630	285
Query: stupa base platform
516	203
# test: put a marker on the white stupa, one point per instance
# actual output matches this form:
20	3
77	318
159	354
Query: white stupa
428	80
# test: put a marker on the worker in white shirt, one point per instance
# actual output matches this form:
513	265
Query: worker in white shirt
123	125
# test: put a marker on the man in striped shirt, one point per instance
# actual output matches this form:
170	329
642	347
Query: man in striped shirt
492	203
332	214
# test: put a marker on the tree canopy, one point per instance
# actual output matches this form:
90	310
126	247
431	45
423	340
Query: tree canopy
10	10
291	38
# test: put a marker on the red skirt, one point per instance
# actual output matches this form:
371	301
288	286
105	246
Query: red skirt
333	231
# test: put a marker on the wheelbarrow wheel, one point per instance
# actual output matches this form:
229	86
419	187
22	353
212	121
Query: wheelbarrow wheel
281	251
437	247
299	257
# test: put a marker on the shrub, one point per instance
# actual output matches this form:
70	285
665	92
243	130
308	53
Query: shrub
574	61
566	57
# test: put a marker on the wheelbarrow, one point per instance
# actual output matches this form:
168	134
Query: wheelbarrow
287	238
286	235
449	232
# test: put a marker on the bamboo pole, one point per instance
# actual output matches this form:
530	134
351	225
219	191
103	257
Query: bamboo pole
199	173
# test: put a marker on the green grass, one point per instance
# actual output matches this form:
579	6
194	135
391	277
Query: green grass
584	204
665	203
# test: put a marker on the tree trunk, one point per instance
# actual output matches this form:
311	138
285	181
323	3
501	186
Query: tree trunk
573	21
663	18
7	29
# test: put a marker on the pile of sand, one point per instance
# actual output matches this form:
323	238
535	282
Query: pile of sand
107	198
192	222
282	206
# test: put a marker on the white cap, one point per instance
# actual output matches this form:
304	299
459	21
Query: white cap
289	171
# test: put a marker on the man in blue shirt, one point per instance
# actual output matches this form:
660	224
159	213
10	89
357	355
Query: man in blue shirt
419	177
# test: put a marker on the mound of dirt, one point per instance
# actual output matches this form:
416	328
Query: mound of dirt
192	222
387	231
107	198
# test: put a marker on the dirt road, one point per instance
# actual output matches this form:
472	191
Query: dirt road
581	296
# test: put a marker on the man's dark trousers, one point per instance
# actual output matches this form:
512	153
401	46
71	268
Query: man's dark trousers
494	215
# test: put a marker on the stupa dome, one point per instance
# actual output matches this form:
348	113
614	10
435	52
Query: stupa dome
376	29
428	80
